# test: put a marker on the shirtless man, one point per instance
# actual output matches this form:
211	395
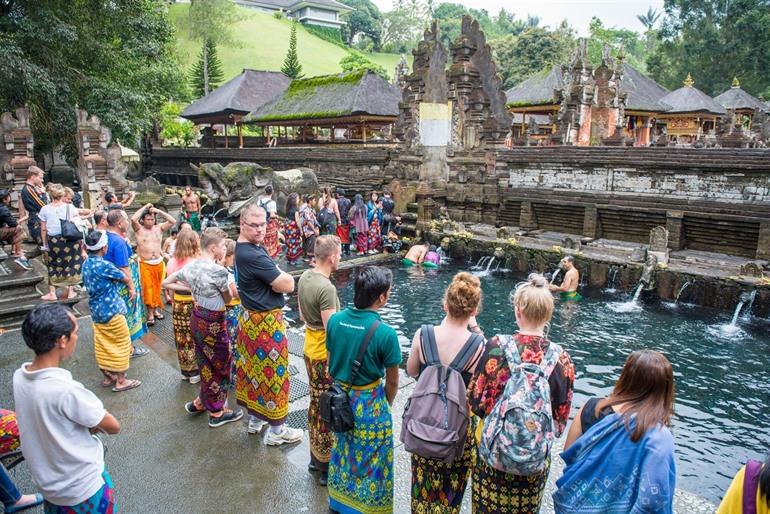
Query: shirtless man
149	239
569	285
110	200
416	255
192	208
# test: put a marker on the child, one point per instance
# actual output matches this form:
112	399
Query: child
167	250
233	307
57	417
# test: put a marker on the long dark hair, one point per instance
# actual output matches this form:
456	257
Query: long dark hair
292	203
764	481
359	205
646	387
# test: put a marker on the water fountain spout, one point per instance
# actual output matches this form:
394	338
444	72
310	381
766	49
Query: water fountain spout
489	264
681	290
555	274
648	271
748	298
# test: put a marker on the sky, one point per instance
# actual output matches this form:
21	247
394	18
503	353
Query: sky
614	13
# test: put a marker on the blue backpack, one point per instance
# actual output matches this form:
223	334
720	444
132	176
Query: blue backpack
518	433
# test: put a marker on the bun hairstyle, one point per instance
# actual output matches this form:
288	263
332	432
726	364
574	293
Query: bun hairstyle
463	295
55	191
533	299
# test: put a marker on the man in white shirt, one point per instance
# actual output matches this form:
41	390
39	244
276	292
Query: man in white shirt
57	418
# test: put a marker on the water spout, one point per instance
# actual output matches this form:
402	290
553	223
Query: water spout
681	290
631	305
737	313
749	302
555	274
732	330
612	278
482	261
489	264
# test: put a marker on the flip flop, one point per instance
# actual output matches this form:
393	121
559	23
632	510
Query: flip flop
105	383
159	316
132	384
150	322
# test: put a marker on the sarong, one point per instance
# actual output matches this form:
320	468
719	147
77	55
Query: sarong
9	431
112	344
362	242
374	237
570	296
232	315
33	226
310	246
194	219
65	261
152	276
271	237
408	262
262	369
343	232
496	492
361	466
136	316
212	350
102	502
185	347
11	235
293	241
321	438
438	487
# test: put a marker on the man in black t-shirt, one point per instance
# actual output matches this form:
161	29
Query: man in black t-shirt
388	218
343	229
262	368
32	199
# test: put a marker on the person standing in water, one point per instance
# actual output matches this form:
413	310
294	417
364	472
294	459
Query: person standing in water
569	285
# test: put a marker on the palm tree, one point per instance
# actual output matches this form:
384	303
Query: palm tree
649	19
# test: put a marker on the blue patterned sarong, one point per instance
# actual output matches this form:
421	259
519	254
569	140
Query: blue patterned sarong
136	316
361	466
102	502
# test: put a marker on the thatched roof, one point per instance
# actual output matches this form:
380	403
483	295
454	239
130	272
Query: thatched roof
238	96
689	99
537	89
737	98
358	93
644	94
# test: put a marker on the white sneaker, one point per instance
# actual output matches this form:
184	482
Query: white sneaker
195	379
287	435
255	425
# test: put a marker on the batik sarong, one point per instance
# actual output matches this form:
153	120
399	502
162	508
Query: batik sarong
293	241
112	344
185	347
194	219
102	502
343	232
321	438
152	277
374	237
65	261
212	350
362	242
232	315
9	431
361	465
271	237
437	486
497	492
136	316
262	368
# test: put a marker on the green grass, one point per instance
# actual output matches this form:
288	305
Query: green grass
262	44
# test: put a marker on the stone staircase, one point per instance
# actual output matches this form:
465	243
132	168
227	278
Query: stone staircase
20	290
409	220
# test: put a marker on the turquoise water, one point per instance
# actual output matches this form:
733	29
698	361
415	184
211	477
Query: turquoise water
722	385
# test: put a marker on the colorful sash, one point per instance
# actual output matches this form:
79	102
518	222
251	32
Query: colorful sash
135	317
185	348
212	350
321	438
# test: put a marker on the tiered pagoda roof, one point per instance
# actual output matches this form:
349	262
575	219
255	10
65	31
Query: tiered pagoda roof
690	100
736	98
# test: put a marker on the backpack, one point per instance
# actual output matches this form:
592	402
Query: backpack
518	433
436	417
325	217
264	202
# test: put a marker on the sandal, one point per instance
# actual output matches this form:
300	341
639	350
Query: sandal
159	316
150	322
139	351
132	384
107	382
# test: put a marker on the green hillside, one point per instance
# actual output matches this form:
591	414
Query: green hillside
263	41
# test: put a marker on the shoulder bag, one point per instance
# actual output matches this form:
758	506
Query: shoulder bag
69	231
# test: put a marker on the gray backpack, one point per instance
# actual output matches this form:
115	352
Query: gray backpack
436	416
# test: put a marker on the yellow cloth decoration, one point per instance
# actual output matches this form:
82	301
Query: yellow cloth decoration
112	344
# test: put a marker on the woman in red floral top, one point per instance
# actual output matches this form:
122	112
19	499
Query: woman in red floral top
494	490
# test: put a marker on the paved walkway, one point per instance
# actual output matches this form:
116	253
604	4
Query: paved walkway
165	460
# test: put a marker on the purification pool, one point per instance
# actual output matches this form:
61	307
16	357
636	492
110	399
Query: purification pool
722	381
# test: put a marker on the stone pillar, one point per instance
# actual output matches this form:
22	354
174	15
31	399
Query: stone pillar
425	207
16	151
763	243
591	225
527	220
675	227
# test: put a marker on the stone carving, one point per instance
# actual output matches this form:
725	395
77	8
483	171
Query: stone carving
98	162
16	153
571	244
648	272
639	254
659	244
751	269
238	183
402	70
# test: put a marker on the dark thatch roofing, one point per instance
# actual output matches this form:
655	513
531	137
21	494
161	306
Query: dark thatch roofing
537	89
737	98
644	94
240	95
332	96
689	99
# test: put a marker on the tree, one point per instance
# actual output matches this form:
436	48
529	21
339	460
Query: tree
403	26
211	23
649	20
365	19
356	61
634	47
534	50
115	61
291	65
715	41
207	73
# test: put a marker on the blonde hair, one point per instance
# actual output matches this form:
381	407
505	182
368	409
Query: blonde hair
534	299
212	236
463	295
56	191
188	244
69	192
326	246
230	245
33	171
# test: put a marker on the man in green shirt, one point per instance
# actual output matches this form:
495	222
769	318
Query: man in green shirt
318	300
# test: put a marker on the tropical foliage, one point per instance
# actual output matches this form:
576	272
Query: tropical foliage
206	74
291	66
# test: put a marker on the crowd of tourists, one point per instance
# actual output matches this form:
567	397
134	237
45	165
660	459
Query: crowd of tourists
484	407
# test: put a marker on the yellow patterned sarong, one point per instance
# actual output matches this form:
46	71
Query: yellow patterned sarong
112	344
